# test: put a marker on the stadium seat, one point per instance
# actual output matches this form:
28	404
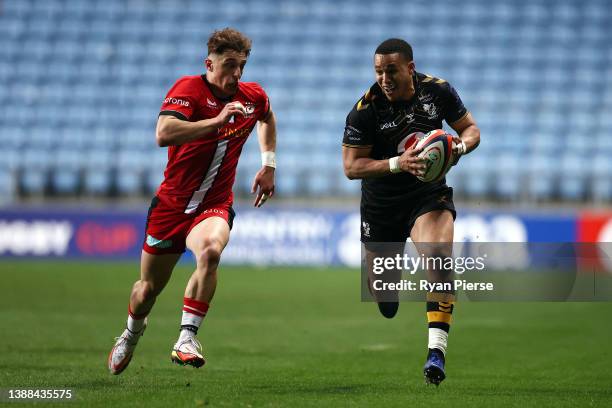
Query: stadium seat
540	176
33	181
509	179
288	183
97	181
476	181
65	181
573	177
8	187
129	183
601	178
90	76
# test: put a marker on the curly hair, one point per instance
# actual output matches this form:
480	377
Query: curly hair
228	39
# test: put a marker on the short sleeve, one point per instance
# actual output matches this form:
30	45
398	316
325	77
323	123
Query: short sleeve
358	130
181	100
455	109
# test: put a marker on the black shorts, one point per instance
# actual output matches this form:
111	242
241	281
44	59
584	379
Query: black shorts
394	224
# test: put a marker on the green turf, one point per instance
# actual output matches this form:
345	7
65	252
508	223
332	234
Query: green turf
293	337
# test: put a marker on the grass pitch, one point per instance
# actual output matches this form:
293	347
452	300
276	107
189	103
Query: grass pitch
292	337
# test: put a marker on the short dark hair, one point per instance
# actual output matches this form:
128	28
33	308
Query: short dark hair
395	45
228	39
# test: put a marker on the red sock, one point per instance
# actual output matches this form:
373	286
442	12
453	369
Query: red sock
135	322
193	314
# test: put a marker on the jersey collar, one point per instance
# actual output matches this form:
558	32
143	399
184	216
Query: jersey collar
223	100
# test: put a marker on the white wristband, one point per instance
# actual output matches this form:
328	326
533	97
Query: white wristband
394	165
268	159
462	148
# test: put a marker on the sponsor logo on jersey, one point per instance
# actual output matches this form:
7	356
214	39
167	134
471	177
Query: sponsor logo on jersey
431	110
410	117
225	133
366	229
214	211
388	125
352	130
210	103
424	98
176	101
352	134
158	243
249	109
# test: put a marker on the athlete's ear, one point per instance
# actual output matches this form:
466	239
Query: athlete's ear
411	67
208	64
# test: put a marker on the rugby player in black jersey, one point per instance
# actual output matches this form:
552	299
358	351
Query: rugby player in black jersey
395	205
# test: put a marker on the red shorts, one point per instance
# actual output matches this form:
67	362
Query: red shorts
167	228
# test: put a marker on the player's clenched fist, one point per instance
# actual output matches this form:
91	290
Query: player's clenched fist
229	110
410	162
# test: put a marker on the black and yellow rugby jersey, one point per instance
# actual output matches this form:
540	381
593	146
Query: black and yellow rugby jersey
376	123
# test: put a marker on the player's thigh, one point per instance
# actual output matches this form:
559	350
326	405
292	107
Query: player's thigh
432	233
433	226
157	269
212	232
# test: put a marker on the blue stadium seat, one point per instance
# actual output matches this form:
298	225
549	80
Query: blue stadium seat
541	171
152	181
33	181
289	183
129	183
97	181
601	178
65	181
509	177
320	184
8	185
90	76
573	177
477	168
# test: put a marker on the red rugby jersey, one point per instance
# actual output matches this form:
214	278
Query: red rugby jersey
201	173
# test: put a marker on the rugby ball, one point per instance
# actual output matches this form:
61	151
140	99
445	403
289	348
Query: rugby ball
438	154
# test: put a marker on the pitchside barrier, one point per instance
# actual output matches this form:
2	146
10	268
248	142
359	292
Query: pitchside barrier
274	235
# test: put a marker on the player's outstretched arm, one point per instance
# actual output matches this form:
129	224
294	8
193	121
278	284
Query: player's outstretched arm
172	131
263	184
358	164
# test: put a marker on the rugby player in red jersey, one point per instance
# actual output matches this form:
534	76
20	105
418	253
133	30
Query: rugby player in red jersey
205	121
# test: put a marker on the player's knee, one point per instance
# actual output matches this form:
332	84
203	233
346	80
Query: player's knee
145	290
209	254
438	249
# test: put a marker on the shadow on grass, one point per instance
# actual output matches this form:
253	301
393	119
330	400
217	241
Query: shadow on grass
319	389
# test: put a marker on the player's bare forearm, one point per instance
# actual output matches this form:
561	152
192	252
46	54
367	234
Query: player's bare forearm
266	133
360	168
471	137
468	132
172	131
358	164
263	184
